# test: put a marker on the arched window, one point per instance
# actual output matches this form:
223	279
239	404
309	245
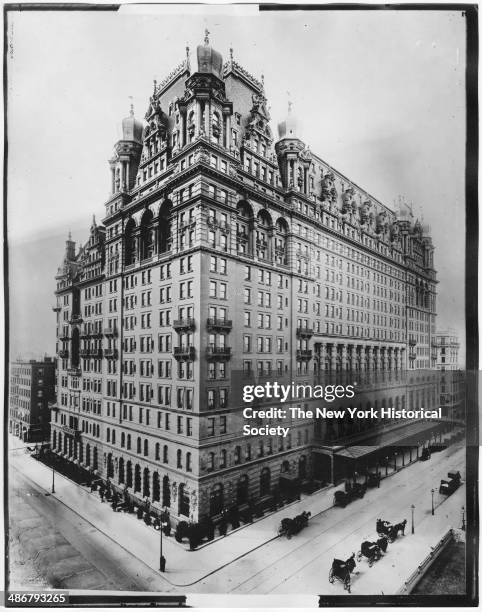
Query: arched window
216	126
158	451
244	225
166	492
179	458
242	490
165	230
165	454
263	235
87	452
110	466
121	471
156	488
96	459
265	482
137	478
123	440
146	486
188	462
216	501
146	448
129	243
129	474
128	441
147	235
183	501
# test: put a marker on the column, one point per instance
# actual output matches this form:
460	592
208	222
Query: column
128	174
198	119
322	357
207	117
344	359
353	358
112	171
370	357
333	357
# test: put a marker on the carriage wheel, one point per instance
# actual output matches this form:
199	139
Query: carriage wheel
281	531
346	584
359	556
331	578
370	561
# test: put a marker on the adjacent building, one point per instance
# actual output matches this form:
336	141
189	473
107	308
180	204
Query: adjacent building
229	255
445	359
32	387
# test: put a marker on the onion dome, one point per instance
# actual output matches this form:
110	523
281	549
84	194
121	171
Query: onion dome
289	128
209	60
132	128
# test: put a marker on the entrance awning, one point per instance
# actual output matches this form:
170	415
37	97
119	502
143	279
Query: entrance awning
395	437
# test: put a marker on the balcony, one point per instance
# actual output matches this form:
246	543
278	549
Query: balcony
74	371
412	355
304	332
110	331
304	355
85	352
184	352
214	323
76	319
56	308
412	342
183	324
53	406
95	352
218	352
111	353
63	354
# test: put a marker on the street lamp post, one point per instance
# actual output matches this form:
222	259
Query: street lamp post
386	466
403	457
162	560
433	509
463	518
413	524
395	463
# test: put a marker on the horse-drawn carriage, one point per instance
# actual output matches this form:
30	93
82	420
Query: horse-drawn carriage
373	480
372	550
354	491
384	528
447	487
426	454
341	570
293	526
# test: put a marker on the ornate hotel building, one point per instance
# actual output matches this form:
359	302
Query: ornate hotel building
228	256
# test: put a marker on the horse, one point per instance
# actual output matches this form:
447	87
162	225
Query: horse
382	544
395	530
341	570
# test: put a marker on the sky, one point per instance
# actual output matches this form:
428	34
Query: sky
380	96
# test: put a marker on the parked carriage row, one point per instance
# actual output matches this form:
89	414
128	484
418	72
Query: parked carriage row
372	551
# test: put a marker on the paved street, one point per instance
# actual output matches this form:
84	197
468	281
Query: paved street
253	560
302	564
52	546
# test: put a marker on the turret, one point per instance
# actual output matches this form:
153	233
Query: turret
127	152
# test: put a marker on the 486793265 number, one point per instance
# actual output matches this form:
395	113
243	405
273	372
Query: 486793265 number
20	598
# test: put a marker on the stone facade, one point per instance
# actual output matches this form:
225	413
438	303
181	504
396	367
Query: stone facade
227	257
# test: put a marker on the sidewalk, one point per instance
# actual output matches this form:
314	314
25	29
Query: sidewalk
184	567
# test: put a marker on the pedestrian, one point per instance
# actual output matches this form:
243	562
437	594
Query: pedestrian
163	563
101	493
